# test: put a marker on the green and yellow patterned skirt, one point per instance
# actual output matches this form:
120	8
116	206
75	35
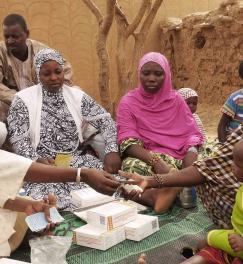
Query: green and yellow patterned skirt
135	165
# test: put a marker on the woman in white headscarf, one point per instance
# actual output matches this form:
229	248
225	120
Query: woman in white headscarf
46	120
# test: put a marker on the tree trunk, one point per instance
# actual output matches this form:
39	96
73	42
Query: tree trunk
104	73
127	71
105	23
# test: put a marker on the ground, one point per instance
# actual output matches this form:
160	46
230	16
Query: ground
210	115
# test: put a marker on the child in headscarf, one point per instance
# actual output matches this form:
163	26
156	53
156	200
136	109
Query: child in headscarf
191	98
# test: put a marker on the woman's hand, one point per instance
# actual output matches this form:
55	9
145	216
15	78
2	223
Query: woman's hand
46	161
112	162
100	180
135	179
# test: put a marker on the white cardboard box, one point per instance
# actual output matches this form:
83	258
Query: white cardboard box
88	197
141	227
94	237
83	213
11	261
111	215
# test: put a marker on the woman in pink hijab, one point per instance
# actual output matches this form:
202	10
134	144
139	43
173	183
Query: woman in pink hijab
156	130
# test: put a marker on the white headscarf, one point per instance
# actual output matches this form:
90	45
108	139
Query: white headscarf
45	55
3	133
187	93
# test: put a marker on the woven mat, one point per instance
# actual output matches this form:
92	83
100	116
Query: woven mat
178	228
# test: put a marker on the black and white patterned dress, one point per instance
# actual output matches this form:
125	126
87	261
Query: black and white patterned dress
58	134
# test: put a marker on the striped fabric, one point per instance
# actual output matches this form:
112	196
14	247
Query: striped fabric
22	69
233	107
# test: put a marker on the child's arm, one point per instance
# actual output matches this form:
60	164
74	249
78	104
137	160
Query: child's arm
229	110
223	123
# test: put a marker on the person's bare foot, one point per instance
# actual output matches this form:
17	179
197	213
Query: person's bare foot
159	199
164	198
236	242
142	259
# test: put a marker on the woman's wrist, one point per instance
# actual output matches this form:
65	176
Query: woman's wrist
152	183
84	174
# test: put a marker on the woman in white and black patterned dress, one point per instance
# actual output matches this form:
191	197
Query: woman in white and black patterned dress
46	119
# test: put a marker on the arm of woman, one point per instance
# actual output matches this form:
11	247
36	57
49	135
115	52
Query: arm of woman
223	123
187	177
189	158
98	117
18	127
100	180
139	152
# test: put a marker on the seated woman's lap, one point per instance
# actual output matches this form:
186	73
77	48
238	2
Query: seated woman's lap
130	164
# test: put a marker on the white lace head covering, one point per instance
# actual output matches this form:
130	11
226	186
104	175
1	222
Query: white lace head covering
45	55
3	133
187	93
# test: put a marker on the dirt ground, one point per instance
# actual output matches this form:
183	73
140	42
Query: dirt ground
210	115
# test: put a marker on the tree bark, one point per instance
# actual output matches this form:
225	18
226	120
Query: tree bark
127	70
105	23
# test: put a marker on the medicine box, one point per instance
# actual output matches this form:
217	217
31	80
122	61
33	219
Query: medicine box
11	261
94	237
143	226
88	197
111	215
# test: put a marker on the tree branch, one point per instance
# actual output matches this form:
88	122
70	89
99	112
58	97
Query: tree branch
150	16
140	38
121	15
94	9
108	19
132	27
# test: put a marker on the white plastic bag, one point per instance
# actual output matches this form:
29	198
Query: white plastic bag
49	249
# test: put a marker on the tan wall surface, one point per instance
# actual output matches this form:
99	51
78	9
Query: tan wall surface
69	26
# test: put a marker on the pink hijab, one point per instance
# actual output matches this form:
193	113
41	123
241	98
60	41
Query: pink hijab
162	121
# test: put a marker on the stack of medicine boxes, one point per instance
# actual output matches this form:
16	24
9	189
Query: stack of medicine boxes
110	223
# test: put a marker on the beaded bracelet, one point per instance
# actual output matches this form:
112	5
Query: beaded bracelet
78	177
160	179
155	158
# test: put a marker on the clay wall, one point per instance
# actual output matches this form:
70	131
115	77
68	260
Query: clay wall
204	50
69	26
